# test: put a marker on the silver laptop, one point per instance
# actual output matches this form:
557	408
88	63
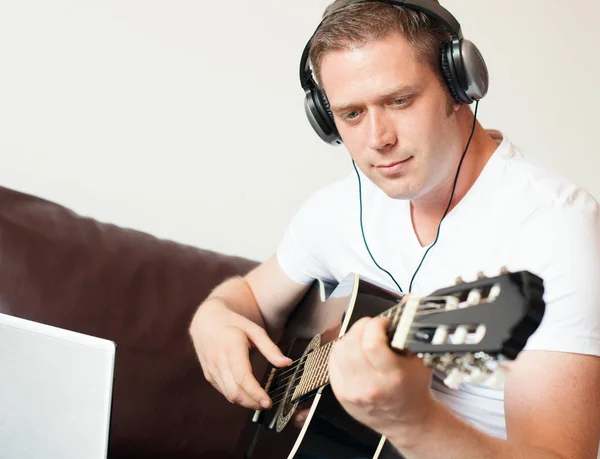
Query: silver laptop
55	392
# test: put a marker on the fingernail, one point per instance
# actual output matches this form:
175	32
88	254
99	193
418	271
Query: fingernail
301	417
265	403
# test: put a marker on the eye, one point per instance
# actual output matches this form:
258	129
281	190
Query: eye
350	116
400	102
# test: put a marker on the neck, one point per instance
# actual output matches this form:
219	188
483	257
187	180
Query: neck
427	211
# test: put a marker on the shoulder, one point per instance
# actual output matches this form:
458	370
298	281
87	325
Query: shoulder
331	201
539	191
555	226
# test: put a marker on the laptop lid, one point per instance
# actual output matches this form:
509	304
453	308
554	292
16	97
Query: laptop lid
55	392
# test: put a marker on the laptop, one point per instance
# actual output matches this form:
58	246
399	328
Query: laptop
55	392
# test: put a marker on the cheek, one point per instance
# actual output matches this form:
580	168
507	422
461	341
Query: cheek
353	137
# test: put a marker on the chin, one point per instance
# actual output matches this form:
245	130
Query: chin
398	194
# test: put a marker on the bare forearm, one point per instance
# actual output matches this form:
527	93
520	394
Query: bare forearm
237	295
445	435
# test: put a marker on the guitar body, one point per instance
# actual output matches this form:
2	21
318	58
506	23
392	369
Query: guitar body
328	432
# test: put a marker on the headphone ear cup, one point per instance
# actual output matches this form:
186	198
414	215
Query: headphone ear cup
471	70
451	75
326	106
465	71
318	111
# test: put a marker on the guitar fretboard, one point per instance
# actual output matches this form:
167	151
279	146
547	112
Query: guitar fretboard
315	373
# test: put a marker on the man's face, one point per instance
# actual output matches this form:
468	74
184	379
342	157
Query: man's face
394	116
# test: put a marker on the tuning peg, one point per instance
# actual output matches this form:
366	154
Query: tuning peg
459	280
496	380
494	292
429	360
504	270
454	379
467	359
482	357
481	276
440	336
474	297
475	376
452	302
480	333
460	335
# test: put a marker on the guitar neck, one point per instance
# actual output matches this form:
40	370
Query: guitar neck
315	371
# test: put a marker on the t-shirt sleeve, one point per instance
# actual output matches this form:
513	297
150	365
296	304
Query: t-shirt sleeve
568	248
301	252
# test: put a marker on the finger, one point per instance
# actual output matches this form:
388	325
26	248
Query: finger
358	328
245	385
211	374
300	417
236	394
266	346
347	357
375	345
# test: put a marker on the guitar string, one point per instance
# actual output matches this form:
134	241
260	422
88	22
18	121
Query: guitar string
301	363
289	385
424	307
282	391
390	311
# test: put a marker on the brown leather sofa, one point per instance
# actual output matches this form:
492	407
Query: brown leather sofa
62	269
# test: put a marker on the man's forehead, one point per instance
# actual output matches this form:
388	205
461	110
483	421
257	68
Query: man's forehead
387	56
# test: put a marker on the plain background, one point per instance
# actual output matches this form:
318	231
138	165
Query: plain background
185	118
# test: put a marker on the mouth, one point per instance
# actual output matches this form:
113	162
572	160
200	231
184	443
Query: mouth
392	168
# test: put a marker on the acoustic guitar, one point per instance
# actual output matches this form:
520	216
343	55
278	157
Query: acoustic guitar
464	332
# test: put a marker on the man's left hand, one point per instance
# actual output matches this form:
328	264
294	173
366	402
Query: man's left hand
375	385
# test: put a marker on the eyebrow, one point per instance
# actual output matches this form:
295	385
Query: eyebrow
403	89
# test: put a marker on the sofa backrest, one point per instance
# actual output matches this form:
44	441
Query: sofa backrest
73	272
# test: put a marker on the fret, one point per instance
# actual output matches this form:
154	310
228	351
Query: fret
324	370
315	373
315	379
310	377
320	368
305	376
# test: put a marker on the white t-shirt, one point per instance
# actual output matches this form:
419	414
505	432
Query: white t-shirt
517	214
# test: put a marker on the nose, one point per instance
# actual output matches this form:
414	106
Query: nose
382	132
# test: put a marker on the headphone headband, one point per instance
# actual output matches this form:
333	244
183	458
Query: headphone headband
428	7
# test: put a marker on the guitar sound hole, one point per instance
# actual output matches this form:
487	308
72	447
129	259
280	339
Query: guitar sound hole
288	406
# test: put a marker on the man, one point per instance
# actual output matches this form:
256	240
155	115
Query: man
440	197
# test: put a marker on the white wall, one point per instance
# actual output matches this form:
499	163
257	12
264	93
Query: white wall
185	118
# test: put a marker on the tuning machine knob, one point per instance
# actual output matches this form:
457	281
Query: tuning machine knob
496	380
454	379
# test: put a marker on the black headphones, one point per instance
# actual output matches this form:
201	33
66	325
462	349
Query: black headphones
462	64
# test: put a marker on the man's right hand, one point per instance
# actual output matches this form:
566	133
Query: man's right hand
223	339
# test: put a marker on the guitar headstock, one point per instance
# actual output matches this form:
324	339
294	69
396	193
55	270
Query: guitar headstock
466	330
